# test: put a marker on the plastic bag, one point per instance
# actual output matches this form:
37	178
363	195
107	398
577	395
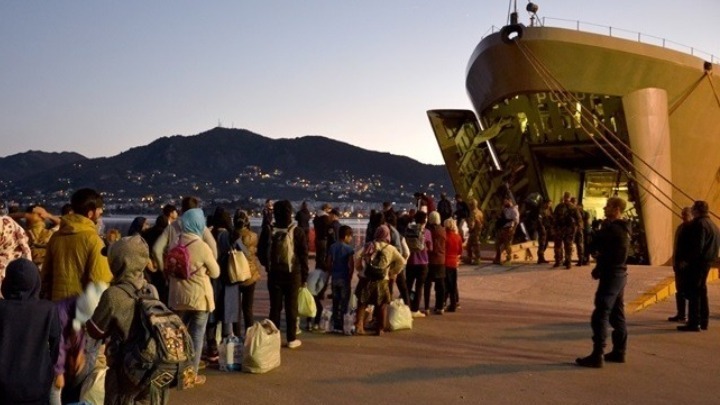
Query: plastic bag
326	323
399	315
262	348
349	323
230	351
352	306
316	281
92	390
306	303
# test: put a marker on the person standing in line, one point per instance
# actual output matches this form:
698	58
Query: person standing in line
283	251
702	244
679	263
436	265
508	222
114	317
579	238
453	251
545	226
341	263
461	214
13	241
611	247
419	240
444	207
397	240
246	240
193	299
29	337
303	217
267	213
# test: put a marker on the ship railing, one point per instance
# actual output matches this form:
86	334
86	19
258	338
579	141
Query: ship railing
620	33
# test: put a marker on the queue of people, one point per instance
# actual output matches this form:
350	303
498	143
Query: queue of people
77	311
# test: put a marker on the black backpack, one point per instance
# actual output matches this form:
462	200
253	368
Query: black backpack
159	350
377	265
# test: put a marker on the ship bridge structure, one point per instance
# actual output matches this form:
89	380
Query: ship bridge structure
560	110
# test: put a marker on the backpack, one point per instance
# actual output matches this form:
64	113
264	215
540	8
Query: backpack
159	349
415	238
177	261
376	265
282	249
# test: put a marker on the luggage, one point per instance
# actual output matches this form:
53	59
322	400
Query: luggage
261	351
399	315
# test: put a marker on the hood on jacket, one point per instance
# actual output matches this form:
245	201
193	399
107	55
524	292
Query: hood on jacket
22	280
76	223
128	258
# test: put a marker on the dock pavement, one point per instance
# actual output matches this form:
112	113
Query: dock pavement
513	341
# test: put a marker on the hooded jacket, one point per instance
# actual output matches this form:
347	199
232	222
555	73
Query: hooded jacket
74	258
29	337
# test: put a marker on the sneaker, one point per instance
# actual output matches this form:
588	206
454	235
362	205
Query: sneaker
418	314
294	344
438	312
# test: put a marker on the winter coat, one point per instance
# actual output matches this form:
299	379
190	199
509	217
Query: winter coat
195	293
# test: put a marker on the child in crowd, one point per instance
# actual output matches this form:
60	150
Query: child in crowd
340	261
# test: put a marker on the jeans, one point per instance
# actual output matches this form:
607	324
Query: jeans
610	307
695	286
341	299
196	322
247	296
283	289
416	275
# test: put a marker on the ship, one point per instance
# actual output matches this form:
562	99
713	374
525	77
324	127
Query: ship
599	115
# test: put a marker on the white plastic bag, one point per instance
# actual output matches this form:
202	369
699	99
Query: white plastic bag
262	348
316	281
306	303
399	315
326	323
349	323
230	351
92	390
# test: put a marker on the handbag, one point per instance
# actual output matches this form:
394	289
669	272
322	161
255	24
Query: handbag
238	266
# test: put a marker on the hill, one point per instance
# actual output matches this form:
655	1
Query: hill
235	164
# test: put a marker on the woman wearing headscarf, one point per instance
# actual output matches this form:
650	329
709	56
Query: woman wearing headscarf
30	338
193	299
247	241
138	226
375	291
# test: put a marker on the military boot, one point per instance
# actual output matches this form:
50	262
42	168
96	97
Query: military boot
594	360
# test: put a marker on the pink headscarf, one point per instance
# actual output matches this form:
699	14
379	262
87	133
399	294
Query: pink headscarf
382	234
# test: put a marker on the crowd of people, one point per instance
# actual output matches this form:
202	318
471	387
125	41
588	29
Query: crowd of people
68	286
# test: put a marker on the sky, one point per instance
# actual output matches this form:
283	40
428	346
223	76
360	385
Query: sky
100	77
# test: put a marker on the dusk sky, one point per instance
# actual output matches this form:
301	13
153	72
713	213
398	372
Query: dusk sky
100	77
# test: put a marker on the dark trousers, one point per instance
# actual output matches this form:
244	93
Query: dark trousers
610	307
401	282
680	299
416	275
695	286
283	288
452	286
247	296
437	276
341	299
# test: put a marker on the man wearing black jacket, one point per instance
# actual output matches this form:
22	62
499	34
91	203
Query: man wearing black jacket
610	245
701	247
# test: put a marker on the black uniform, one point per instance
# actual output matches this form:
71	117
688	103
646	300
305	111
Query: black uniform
700	247
611	245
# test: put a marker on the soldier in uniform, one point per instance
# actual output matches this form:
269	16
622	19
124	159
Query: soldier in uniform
579	232
545	226
566	219
475	223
